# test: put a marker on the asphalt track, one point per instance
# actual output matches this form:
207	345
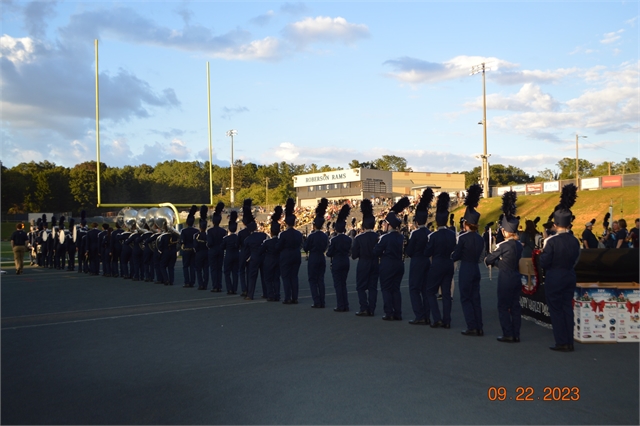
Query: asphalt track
78	349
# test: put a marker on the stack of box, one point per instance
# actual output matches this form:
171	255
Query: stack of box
628	314
595	314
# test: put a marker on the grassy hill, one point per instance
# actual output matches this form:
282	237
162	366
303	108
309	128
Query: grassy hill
589	205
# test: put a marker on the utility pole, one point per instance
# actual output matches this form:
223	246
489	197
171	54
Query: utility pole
577	181
485	164
266	192
232	133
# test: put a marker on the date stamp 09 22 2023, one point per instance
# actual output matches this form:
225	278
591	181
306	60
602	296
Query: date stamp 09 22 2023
550	393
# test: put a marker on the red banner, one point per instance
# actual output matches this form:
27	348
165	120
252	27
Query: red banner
534	188
611	181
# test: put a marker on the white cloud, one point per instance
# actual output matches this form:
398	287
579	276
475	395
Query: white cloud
611	37
610	106
17	50
531	76
325	29
529	98
179	150
287	151
417	71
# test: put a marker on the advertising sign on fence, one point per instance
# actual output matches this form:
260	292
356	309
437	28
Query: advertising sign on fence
519	188
534	188
611	181
590	183
551	186
503	189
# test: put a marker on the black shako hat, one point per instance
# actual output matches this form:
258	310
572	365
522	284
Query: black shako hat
422	208
368	219
509	222
442	209
392	217
275	220
289	217
471	216
203	216
562	215
341	221
191	217
233	221
247	215
321	209
216	218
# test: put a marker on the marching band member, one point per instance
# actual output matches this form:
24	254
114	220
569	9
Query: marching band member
559	257
440	245
368	268
270	255
389	249
187	245
231	248
201	258
468	251
316	245
419	267
215	235
289	245
339	251
251	249
507	257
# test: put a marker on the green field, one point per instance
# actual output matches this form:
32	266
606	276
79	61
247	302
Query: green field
589	205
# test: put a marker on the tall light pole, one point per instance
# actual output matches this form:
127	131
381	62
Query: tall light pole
231	134
485	168
577	181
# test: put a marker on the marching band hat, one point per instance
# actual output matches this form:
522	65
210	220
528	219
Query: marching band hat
471	215
392	217
562	215
509	222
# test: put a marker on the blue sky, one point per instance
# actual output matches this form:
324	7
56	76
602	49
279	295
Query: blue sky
320	82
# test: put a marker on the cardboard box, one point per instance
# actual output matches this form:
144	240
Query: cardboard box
596	314
628	314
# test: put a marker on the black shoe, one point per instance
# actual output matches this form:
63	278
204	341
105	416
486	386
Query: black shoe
506	339
561	348
480	332
437	324
248	298
243	294
472	332
186	286
287	302
295	302
340	310
516	339
387	318
397	318
363	314
317	306
418	322
446	326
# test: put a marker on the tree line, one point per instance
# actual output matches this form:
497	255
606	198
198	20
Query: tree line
45	186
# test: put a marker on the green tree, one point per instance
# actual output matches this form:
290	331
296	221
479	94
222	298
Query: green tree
392	163
567	167
546	175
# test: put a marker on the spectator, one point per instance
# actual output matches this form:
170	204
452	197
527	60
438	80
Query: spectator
621	234
634	234
18	241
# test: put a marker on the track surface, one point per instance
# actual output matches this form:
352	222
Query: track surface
90	350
